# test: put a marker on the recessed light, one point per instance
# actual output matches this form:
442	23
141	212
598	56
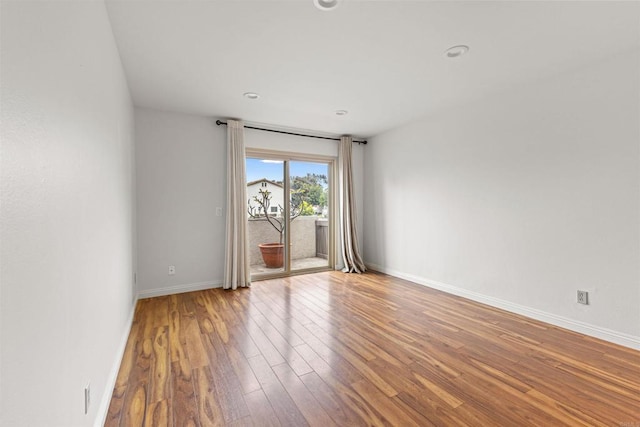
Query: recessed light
341	112
251	95
325	5
456	51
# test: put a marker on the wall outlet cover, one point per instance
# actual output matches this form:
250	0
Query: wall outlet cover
583	297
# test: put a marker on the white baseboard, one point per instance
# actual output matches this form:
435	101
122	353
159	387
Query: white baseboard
103	409
178	289
553	319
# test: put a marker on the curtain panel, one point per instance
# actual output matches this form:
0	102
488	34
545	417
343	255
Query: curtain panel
350	252
236	267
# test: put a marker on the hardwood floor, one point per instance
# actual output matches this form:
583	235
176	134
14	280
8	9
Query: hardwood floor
334	349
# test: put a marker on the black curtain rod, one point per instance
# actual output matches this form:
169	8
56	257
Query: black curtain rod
218	122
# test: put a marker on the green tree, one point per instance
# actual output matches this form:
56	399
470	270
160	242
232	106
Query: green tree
306	209
309	188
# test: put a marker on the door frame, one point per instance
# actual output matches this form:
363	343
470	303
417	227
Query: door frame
332	178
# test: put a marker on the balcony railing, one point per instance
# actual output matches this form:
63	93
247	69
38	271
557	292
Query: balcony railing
309	239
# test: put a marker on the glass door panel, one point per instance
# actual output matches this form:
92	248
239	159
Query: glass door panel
266	215
309	202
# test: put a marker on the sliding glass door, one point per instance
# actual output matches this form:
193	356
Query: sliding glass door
266	213
309	199
290	211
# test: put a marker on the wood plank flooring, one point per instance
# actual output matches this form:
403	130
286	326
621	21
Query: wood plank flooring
334	349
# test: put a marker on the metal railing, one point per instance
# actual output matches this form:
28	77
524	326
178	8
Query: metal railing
322	238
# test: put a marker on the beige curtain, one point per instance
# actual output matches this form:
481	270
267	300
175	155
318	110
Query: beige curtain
350	252
236	265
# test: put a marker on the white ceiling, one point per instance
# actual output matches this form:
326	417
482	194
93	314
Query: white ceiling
382	61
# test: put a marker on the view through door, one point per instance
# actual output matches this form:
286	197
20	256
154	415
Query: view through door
303	218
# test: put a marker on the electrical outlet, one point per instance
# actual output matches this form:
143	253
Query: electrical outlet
172	270
583	297
218	211
87	398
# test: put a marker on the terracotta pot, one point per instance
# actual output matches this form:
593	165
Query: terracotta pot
272	254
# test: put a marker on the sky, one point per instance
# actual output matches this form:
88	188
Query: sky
272	169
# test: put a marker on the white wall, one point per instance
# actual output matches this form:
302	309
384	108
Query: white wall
520	199
180	167
181	179
66	213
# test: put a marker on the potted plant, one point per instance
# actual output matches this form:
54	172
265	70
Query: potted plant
272	253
